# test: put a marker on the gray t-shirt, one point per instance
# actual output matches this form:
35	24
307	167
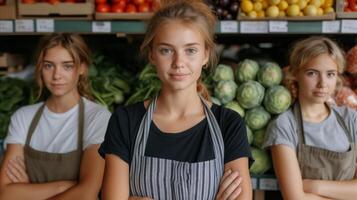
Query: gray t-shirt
327	134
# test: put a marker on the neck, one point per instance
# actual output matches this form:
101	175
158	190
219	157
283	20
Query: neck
62	104
314	112
179	104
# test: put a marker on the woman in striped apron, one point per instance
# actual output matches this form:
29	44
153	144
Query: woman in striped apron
177	145
52	145
313	143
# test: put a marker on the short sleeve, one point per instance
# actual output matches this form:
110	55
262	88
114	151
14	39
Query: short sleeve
281	131
17	131
96	126
235	138
116	140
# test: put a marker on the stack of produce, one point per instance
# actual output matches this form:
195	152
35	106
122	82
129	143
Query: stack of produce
125	6
256	94
225	9
282	8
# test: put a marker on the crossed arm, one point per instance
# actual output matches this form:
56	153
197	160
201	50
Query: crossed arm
293	187
15	185
235	183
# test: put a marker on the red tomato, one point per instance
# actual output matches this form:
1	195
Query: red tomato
120	2
345	4
130	8
352	5
53	1
144	7
100	1
70	1
102	7
28	1
138	2
117	8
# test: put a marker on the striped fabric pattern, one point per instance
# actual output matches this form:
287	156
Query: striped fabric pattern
164	179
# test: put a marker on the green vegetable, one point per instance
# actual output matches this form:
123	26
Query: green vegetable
277	99
270	74
233	105
256	118
262	161
246	70
250	94
223	73
225	91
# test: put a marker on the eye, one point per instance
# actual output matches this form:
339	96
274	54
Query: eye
311	73
191	51
47	65
68	67
166	51
331	74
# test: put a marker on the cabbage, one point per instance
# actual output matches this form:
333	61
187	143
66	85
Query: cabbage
225	91
270	74
223	73
250	94
277	99
233	105
256	118
246	70
262	161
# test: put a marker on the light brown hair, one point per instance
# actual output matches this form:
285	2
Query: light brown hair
305	50
194	13
79	51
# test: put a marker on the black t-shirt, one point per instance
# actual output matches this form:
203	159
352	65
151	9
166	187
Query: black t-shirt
191	145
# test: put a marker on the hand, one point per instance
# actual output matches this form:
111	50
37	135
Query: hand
309	186
229	187
139	198
16	170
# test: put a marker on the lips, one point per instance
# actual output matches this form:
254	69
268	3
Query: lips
178	76
320	94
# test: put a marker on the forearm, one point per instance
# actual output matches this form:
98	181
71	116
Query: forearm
343	190
78	191
29	191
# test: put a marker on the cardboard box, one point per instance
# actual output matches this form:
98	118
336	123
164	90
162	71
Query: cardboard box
8	11
124	16
58	10
341	14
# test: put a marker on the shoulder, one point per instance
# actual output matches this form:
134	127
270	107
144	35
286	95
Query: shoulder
223	114
346	112
131	112
27	112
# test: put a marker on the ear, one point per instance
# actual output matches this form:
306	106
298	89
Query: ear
151	59
82	69
206	57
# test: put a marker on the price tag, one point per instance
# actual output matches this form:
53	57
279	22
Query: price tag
349	26
254	27
331	26
278	26
6	26
45	25
268	184
24	25
229	26
101	27
254	183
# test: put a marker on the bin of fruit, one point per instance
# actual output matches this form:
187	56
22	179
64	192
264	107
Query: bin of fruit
346	8
7	9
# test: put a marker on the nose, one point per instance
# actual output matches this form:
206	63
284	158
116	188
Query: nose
322	80
178	60
57	73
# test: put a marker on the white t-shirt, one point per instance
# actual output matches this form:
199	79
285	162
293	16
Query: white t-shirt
58	132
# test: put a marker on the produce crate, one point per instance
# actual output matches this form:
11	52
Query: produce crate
329	16
10	63
123	16
341	14
58	10
8	11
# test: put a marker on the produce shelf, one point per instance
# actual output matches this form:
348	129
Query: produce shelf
40	26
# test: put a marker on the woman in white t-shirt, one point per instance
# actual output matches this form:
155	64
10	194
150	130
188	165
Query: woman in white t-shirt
51	146
313	144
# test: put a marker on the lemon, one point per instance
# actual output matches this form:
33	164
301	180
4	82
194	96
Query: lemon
302	4
258	6
282	14
310	10
329	10
283	5
272	11
260	14
293	10
273	2
316	3
320	11
290	2
246	6
265	4
252	14
328	4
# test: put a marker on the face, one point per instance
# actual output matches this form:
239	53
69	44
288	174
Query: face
178	52
317	79
59	73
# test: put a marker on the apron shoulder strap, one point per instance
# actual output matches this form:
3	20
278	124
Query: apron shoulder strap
80	125
342	122
299	123
34	123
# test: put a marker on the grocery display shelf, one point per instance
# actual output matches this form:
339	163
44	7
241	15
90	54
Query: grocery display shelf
42	26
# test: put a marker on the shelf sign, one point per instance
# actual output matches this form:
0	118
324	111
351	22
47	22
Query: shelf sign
254	27
278	26
45	25
331	26
101	27
349	26
229	26
254	183
24	25
6	26
268	184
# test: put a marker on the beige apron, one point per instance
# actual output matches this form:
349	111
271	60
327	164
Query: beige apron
44	166
323	164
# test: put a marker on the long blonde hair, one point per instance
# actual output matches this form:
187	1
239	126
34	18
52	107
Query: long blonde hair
79	51
195	13
305	50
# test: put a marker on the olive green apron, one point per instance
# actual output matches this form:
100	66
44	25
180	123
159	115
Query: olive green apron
44	166
323	164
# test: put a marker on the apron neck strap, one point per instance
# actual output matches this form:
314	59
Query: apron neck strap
299	122
34	123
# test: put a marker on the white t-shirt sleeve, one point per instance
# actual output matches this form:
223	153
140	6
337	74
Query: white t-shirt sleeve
96	125
17	131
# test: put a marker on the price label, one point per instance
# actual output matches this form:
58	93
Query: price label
229	26
349	26
331	26
6	26
268	184
45	25
278	26
254	27
101	27
24	25
254	183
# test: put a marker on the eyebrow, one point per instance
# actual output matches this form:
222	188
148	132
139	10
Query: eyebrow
70	61
308	69
188	44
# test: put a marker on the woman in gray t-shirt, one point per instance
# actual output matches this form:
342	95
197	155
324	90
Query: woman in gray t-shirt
313	144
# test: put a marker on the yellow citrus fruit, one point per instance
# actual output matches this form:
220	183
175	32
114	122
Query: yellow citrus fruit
320	11
283	5
258	6
272	11
316	3
265	4
302	4
329	10
310	10
293	10
282	14
246	6
328	4
260	14
290	2
273	2
252	14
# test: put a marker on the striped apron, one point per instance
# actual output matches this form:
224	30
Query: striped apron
166	179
